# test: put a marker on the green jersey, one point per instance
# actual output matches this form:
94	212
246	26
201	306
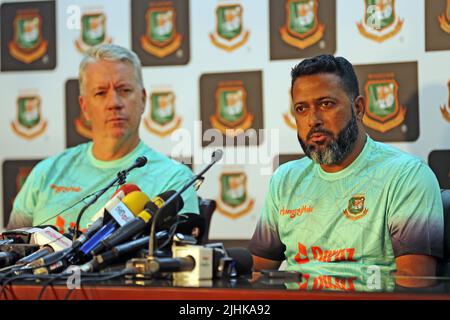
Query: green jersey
384	205
58	182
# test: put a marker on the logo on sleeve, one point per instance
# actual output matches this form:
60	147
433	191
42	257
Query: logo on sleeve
356	209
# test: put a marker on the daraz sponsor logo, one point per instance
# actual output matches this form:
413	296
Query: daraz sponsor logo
318	254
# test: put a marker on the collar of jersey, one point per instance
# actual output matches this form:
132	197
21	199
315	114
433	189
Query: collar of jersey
121	163
359	161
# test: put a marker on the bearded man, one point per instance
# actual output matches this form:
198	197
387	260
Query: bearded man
352	202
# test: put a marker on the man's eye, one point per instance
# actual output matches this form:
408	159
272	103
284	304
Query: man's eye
299	108
100	93
327	104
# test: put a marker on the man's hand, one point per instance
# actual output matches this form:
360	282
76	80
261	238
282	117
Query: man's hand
415	265
261	263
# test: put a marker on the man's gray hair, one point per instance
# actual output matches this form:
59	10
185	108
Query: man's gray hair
110	52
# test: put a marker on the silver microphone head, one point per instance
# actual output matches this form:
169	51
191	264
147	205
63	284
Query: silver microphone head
217	155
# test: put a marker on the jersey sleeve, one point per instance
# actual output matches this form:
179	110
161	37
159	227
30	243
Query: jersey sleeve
266	242
26	200
415	217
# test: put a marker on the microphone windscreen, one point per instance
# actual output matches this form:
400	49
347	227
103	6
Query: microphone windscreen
135	201
192	224
141	161
127	188
243	258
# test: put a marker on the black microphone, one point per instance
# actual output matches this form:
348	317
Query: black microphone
138	163
178	264
215	157
10	253
138	224
121	178
191	224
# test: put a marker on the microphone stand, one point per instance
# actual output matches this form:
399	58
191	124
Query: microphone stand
121	179
216	156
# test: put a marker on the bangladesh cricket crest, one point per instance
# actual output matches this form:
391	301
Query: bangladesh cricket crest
355	209
289	117
380	20
302	28
229	34
231	109
161	37
29	123
83	127
444	18
445	109
28	45
234	201
93	31
162	119
383	110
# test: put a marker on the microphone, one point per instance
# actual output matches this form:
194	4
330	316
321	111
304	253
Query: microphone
138	163
191	224
131	205
215	157
121	178
139	223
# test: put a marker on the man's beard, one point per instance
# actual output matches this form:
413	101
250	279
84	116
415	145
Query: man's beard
335	151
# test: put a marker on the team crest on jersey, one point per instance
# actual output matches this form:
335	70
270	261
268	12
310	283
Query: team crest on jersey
383	110
380	20
83	127
445	109
29	123
230	33
289	117
444	18
28	45
355	209
302	28
162	119
93	31
161	37
234	201
231	108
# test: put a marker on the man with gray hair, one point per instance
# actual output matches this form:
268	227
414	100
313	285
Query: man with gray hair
112	98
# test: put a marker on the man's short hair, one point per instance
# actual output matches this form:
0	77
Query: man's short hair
328	64
113	53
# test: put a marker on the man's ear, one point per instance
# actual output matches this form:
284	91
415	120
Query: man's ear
144	99
360	107
83	108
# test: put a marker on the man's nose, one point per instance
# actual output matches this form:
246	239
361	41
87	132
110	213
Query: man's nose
315	118
115	100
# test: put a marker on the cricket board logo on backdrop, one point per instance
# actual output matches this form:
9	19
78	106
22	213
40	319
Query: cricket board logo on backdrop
28	44
162	119
355	209
234	201
29	123
380	20
302	28
93	31
383	110
161	37
445	109
231	108
229	34
289	117
444	18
